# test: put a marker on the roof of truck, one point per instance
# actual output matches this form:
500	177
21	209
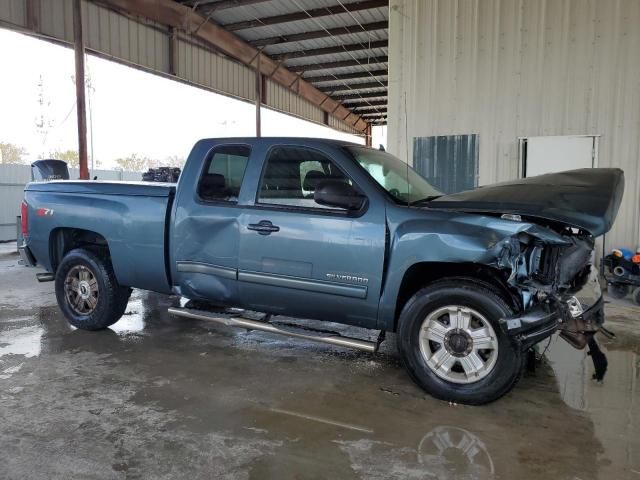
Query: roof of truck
301	140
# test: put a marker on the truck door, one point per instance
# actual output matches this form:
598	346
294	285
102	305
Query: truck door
205	236
303	259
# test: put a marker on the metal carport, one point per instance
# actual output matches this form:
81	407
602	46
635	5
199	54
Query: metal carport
321	60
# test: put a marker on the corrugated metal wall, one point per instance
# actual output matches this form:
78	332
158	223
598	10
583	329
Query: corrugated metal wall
146	45
12	181
13	178
285	100
449	162
509	69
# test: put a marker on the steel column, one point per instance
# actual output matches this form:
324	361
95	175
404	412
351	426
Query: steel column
173	50
80	89
258	99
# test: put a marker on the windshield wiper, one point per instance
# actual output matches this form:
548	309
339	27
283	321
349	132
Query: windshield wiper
424	200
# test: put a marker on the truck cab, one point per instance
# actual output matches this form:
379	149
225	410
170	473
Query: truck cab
257	237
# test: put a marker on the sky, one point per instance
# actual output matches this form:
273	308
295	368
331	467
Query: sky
131	111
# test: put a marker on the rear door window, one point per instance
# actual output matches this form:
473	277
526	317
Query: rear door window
223	174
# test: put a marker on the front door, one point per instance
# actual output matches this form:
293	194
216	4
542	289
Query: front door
303	259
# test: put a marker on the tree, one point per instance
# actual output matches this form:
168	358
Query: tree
10	153
170	161
134	163
70	156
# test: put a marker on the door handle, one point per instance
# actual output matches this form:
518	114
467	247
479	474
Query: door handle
263	227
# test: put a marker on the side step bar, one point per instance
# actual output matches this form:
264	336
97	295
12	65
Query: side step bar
339	340
45	277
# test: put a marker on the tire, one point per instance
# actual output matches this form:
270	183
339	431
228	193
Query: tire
618	290
87	290
636	295
448	301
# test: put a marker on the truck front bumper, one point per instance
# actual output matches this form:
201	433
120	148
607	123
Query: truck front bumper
577	315
541	321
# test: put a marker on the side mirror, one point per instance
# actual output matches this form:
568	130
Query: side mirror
334	193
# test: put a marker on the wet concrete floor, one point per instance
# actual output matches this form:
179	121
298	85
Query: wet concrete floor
161	397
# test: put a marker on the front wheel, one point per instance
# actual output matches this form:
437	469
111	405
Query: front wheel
452	345
87	290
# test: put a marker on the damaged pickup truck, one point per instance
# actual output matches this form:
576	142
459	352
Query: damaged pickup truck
333	231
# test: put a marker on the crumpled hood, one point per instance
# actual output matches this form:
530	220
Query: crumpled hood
588	198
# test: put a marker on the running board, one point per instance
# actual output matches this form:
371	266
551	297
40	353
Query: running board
240	322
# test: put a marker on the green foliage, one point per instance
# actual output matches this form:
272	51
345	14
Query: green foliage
134	163
139	163
10	153
70	156
170	161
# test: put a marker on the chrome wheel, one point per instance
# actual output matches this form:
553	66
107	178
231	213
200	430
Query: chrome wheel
81	290
458	344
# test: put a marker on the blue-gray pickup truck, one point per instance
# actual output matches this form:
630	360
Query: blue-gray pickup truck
332	231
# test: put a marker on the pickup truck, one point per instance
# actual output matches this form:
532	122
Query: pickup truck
333	231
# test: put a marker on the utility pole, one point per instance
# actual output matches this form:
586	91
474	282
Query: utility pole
80	89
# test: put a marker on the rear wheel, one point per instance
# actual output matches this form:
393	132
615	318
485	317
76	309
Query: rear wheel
452	344
87	290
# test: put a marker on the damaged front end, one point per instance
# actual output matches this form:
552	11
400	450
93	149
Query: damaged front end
553	271
548	265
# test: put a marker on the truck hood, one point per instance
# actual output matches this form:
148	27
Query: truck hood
588	198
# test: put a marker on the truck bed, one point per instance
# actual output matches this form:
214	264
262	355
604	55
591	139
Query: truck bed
130	216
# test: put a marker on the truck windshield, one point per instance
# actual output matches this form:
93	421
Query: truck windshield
402	182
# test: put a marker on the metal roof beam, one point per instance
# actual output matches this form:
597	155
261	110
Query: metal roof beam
329	32
348	76
173	14
354	86
312	52
359	96
313	13
208	6
360	108
307	67
352	103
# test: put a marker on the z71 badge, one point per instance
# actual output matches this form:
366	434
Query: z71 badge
44	212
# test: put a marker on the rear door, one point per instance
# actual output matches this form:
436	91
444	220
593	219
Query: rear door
205	235
303	259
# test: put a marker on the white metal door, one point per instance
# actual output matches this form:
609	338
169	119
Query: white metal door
556	154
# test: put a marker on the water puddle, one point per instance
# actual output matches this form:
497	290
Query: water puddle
25	341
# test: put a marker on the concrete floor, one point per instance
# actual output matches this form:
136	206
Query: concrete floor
159	397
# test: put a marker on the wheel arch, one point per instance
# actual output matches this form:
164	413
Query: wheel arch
422	274
64	239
